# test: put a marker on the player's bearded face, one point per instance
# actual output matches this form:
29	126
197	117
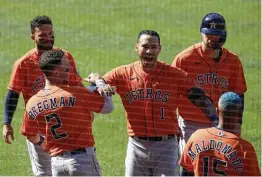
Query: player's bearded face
148	49
43	37
211	41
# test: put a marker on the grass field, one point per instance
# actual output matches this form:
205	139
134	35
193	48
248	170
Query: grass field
101	35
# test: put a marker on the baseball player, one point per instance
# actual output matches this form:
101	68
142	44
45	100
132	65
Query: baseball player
62	114
26	78
213	68
149	90
220	151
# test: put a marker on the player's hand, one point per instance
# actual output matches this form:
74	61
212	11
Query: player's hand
106	90
7	132
92	78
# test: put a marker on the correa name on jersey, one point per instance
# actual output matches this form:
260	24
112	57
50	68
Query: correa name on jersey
221	147
49	104
212	78
148	93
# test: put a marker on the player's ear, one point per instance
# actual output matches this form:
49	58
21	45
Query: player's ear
32	36
136	47
217	111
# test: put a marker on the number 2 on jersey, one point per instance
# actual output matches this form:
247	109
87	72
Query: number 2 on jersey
55	126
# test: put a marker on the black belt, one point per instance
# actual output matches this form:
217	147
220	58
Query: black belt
155	138
77	151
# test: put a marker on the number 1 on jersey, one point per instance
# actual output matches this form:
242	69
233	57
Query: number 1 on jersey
162	113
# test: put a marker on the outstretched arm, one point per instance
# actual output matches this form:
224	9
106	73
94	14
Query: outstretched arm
197	97
10	107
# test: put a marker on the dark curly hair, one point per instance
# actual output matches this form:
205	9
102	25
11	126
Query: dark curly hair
50	59
150	33
38	21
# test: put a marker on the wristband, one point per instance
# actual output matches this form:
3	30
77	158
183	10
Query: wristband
100	83
41	140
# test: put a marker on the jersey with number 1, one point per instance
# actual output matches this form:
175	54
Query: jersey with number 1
215	152
64	115
150	99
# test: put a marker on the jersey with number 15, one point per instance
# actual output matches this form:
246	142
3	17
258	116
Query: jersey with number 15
215	152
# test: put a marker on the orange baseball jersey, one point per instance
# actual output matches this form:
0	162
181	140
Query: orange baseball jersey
27	77
214	152
149	99
64	115
214	78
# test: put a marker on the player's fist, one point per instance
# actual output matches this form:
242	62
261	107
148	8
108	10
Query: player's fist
93	77
7	133
106	90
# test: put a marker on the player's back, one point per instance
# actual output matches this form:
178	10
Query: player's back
214	152
64	116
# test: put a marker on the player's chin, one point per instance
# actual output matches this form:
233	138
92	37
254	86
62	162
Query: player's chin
45	47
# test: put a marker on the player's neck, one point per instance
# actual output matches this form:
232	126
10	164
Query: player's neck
49	83
148	69
236	129
210	53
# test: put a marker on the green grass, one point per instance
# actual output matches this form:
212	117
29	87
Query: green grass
101	35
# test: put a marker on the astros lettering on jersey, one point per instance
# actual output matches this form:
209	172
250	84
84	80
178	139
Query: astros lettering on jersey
150	100
214	78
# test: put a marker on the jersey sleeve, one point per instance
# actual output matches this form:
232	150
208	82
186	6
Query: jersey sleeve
116	78
17	80
111	77
238	84
251	166
177	62
185	160
185	82
29	127
93	101
74	78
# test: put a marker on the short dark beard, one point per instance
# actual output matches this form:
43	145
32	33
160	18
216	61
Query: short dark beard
217	58
42	47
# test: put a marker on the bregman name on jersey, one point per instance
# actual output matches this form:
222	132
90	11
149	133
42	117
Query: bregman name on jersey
49	104
221	147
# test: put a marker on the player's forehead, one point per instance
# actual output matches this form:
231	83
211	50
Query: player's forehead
46	28
146	39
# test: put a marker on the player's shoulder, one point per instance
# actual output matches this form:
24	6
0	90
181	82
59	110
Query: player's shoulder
75	90
32	101
123	68
200	132
188	52
175	70
246	145
231	55
28	56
